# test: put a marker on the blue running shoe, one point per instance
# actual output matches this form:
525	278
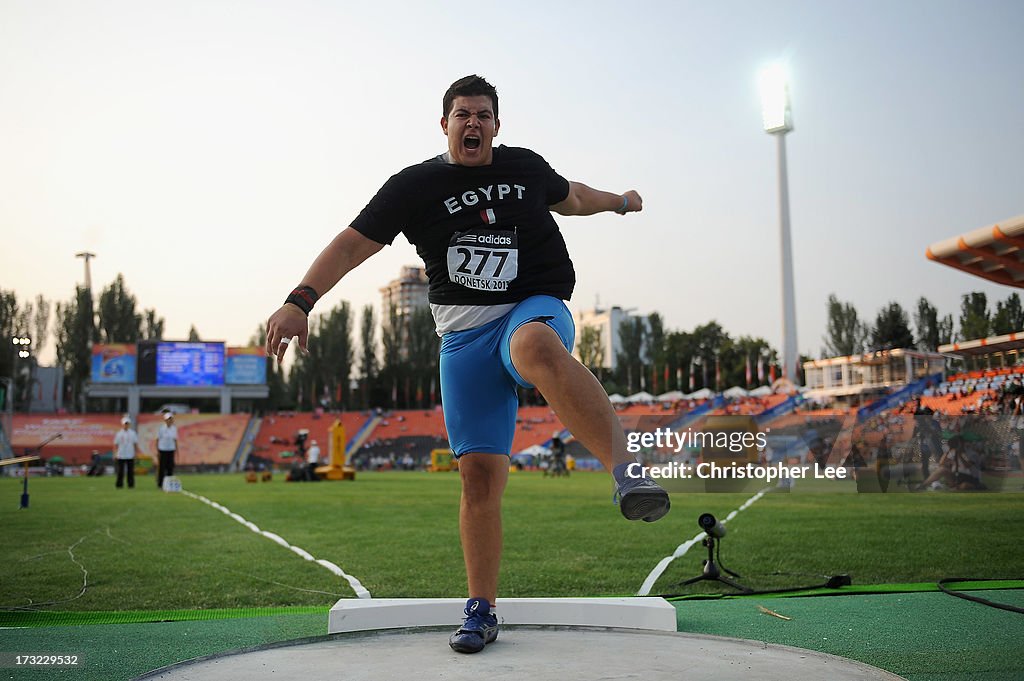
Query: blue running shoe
479	629
641	498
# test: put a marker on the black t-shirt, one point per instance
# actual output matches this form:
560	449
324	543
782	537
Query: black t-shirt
485	233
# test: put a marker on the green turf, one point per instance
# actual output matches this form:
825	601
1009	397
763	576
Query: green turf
921	636
118	652
143	555
397	533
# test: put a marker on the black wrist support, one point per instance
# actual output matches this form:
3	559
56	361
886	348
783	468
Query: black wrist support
304	298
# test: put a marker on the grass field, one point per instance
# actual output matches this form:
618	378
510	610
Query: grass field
84	546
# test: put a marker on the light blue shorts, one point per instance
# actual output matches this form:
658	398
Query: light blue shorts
478	381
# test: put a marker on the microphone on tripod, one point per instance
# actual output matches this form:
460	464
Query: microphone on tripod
714	529
711	525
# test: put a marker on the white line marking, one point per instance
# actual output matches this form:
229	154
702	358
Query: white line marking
302	553
645	588
359	589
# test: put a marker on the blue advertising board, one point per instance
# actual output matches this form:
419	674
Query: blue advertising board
113	363
246	366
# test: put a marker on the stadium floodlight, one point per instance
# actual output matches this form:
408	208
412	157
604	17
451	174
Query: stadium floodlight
775	112
21	344
87	256
778	121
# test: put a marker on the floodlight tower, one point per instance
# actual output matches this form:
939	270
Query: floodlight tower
778	121
88	276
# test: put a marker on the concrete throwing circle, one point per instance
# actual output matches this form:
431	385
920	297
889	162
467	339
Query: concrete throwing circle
525	652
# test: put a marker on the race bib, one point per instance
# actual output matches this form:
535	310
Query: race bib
484	259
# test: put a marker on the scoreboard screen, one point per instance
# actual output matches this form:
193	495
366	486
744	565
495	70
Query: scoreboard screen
190	364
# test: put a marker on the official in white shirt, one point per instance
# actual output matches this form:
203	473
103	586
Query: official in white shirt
126	444
166	446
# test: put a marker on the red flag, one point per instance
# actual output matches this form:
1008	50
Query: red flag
771	373
692	371
748	371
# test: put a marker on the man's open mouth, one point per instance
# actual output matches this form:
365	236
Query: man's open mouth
471	142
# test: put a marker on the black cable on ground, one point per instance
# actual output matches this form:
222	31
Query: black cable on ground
833	582
984	601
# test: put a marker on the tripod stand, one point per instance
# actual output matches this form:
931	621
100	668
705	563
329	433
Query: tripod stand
712	572
31	455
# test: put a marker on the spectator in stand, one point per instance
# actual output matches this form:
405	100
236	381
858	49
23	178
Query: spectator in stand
166	447
927	434
855	459
126	445
883	461
959	468
1018	424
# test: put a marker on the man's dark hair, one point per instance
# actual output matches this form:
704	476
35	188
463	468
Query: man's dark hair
470	86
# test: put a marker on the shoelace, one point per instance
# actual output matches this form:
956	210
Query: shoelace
480	621
617	494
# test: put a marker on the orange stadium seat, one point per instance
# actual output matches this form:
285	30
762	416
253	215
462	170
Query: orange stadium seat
277	431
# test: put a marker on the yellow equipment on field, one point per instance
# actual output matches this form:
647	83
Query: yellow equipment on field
337	468
443	460
144	464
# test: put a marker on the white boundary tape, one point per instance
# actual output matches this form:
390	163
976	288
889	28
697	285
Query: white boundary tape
360	590
645	588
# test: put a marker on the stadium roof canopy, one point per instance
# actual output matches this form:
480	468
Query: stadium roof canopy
1012	342
995	252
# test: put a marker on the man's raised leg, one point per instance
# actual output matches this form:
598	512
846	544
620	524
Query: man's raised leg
582	405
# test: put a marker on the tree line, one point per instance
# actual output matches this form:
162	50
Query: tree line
78	324
846	334
330	375
400	370
657	360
